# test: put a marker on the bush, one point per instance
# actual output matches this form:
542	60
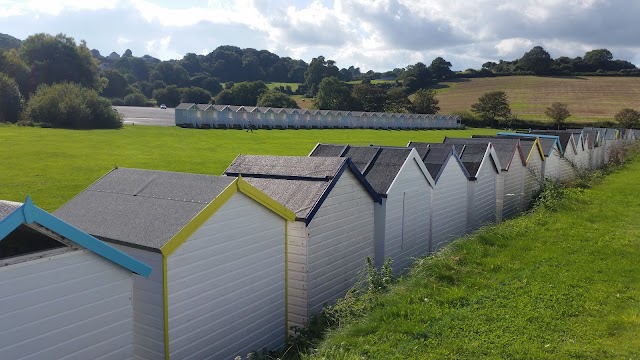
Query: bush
12	103
135	99
117	102
71	106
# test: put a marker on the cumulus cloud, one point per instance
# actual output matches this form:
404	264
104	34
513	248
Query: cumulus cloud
371	34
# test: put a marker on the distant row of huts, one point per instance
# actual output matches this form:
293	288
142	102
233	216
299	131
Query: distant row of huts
229	116
151	264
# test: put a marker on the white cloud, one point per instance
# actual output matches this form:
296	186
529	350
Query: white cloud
52	7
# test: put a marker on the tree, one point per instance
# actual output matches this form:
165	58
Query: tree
274	98
628	118
225	97
196	95
13	66
247	93
69	105
369	97
397	101
536	60
136	99
599	58
319	69
55	59
117	86
12	103
558	112
416	77
440	69
333	94
425	102
169	96
492	105
170	73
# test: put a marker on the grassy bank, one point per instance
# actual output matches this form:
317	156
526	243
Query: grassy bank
53	165
553	284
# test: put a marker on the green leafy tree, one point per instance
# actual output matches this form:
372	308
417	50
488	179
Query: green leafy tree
416	77
117	87
441	69
492	105
69	105
333	94
207	82
628	118
13	66
274	98
170	73
169	96
55	59
397	101
536	60
136	99
247	93
599	58
319	69
225	97
558	112
135	68
425	102
196	95
369	97
12	102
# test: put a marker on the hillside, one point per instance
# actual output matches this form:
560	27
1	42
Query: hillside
549	285
589	98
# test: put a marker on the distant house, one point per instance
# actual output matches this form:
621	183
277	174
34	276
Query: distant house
217	248
63	293
334	228
449	204
398	175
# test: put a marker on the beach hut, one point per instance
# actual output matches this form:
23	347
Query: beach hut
483	168
63	293
185	115
217	248
334	228
222	116
399	176
552	152
450	201
570	161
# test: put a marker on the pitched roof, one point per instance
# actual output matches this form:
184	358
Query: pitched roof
435	156
547	142
144	208
564	137
505	148
472	156
32	215
380	165
184	106
297	182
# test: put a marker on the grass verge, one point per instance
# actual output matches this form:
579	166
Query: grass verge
560	282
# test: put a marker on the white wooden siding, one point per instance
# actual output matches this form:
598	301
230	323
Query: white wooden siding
552	165
75	305
226	284
341	236
148	313
483	204
513	188
380	219
407	217
567	161
298	274
532	177
449	206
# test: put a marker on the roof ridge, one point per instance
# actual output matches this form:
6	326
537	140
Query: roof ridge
149	197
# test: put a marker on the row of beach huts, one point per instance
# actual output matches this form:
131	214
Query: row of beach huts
155	265
229	116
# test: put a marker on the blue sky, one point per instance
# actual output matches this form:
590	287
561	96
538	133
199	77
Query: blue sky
370	34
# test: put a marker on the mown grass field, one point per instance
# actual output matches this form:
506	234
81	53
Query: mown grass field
552	284
589	98
273	85
53	165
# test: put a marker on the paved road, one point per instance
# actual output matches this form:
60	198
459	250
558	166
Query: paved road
147	116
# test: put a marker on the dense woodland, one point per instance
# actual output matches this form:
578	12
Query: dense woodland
33	68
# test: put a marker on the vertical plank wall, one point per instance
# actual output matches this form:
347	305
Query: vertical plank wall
449	206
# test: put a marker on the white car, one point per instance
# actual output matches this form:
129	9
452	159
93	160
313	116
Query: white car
163	106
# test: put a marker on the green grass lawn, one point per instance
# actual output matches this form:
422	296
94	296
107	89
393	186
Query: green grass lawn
547	285
53	165
273	85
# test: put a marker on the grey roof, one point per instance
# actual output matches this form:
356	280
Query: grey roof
203	106
144	208
504	147
471	156
433	155
285	166
184	106
380	165
527	145
565	136
7	208
328	150
297	182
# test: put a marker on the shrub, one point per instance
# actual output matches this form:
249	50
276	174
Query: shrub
71	106
135	99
